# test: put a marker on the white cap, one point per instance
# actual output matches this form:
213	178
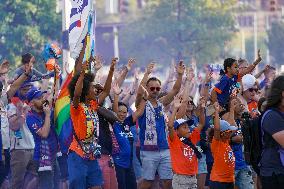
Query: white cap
248	81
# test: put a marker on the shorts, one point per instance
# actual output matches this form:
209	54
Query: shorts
83	173
63	167
202	166
156	161
184	182
243	179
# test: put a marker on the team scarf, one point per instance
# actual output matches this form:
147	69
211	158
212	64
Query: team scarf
151	138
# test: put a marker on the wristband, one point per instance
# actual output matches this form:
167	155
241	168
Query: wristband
144	98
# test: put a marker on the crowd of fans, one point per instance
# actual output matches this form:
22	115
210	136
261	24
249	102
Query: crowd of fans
181	133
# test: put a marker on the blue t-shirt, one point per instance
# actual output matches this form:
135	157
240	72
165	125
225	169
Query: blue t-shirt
35	121
124	137
160	129
237	148
0	143
225	88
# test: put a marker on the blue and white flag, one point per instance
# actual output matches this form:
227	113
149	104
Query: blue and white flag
81	12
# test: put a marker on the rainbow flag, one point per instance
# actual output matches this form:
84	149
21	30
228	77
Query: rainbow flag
63	123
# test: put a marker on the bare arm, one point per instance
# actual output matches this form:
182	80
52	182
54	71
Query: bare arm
143	83
201	109
79	60
107	86
44	131
140	110
251	67
166	100
214	96
279	137
216	122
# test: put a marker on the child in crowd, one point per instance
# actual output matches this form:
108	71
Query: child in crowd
184	153
223	170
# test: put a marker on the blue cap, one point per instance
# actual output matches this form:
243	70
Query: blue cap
180	122
225	126
34	93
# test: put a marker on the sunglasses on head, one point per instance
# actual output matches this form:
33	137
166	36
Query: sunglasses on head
224	132
155	88
253	89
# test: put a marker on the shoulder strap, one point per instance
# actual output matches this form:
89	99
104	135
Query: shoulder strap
188	142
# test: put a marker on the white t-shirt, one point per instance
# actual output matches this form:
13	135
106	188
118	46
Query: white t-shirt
4	122
27	141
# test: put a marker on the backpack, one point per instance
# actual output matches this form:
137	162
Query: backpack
252	140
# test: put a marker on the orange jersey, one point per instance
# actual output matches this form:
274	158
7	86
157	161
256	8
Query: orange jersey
78	117
184	160
223	169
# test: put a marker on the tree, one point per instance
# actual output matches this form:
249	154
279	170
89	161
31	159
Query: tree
26	26
275	42
179	29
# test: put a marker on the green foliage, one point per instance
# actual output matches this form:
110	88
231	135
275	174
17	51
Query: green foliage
275	42
25	26
179	29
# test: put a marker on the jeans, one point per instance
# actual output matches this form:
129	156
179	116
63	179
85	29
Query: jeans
244	179
125	177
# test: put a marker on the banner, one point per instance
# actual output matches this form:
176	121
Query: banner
82	23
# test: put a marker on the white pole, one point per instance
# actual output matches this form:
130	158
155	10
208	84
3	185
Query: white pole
115	41
267	40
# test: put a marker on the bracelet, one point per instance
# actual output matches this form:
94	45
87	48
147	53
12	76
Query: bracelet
144	98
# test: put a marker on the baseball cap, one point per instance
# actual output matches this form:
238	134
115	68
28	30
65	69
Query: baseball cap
34	93
248	81
180	122
224	126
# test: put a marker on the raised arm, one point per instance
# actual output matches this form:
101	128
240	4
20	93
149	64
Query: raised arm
251	67
108	82
185	97
177	104
18	82
44	131
140	110
117	91
127	68
79	60
201	113
143	83
166	100
206	86
79	86
217	121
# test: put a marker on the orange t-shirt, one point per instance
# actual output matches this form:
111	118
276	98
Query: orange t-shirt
184	160
252	106
223	169
78	117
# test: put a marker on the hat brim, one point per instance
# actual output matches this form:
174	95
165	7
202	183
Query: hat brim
188	122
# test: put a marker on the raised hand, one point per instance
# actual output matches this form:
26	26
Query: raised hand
85	66
130	63
208	77
150	68
233	104
116	89
259	58
4	67
177	101
189	73
98	63
217	107
180	68
202	102
113	63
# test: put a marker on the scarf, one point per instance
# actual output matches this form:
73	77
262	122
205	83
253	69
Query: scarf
151	138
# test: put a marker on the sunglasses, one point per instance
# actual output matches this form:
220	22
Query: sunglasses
155	88
252	89
190	102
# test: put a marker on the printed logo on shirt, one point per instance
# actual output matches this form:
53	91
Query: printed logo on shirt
188	153
229	157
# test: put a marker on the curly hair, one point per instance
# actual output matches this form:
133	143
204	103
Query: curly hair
88	79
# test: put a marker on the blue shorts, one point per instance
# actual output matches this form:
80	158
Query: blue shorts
156	161
243	179
202	166
83	173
